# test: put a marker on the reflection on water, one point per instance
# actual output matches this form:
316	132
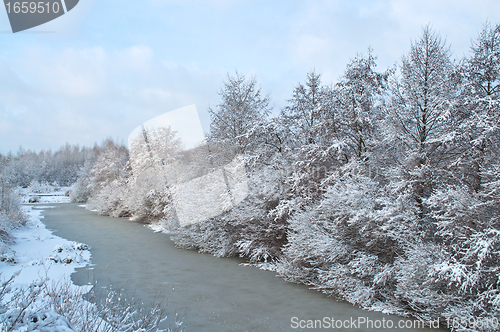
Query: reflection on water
218	293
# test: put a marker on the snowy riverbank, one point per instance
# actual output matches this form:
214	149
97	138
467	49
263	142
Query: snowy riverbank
37	253
35	271
37	294
44	194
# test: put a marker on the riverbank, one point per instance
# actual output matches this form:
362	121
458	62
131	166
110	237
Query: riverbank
35	272
34	251
39	254
37	293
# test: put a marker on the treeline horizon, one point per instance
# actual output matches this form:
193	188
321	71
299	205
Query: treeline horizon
61	166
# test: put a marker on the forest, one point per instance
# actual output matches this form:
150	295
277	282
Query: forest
381	189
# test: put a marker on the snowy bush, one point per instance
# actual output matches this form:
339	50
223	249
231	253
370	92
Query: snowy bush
80	191
11	214
46	306
365	246
42	187
111	200
248	229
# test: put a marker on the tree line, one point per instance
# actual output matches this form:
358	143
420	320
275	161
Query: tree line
381	189
60	168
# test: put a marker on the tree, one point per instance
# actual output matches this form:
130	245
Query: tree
152	157
467	213
422	107
242	105
480	99
306	109
107	180
483	68
356	102
154	149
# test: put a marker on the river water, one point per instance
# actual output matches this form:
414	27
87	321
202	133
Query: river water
218	294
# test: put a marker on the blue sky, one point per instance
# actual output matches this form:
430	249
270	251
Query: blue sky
107	66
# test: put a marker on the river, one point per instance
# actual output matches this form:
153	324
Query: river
218	294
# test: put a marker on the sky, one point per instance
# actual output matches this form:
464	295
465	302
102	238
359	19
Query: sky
105	67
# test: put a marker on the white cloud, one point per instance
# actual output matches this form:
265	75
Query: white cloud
137	57
85	95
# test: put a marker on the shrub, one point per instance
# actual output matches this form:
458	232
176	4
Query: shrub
44	306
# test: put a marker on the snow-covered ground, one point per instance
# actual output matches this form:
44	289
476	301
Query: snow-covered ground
38	253
44	194
38	262
36	292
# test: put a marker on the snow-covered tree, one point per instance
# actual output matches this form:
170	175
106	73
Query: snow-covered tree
480	97
155	148
357	105
242	105
467	212
309	106
109	165
151	158
422	111
483	68
61	166
107	180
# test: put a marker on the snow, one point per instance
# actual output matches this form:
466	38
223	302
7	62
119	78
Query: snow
43	194
40	254
36	257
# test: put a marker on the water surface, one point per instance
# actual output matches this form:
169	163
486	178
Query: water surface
219	294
